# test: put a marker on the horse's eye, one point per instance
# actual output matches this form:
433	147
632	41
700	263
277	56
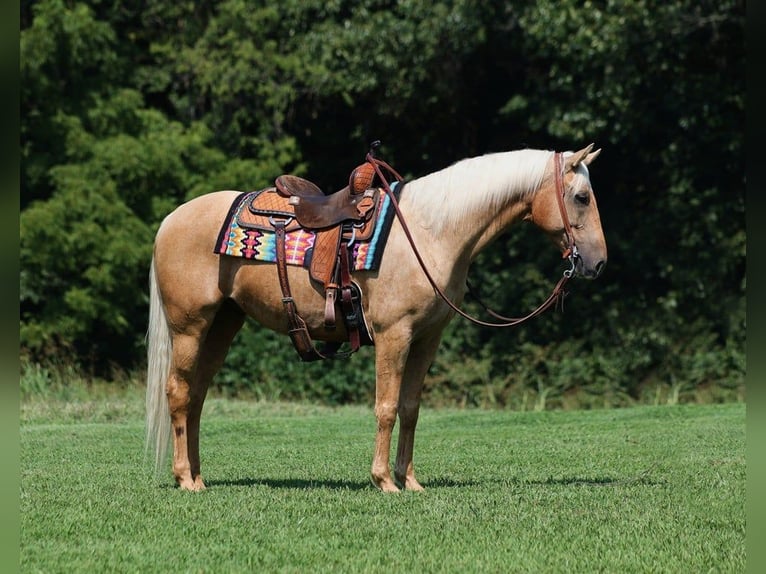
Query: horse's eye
582	197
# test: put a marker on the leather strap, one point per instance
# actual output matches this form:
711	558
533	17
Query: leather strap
346	302
330	297
297	329
558	171
556	295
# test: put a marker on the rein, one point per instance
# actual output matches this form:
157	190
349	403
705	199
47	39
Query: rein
569	253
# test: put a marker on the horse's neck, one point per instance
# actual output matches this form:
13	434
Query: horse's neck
462	209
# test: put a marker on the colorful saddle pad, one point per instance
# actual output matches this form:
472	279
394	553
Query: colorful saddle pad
238	240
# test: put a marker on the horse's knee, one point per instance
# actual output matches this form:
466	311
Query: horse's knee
386	416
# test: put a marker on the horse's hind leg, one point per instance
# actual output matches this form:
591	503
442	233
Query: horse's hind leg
197	355
227	323
182	396
419	360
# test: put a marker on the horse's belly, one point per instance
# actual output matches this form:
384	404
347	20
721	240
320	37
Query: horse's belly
256	289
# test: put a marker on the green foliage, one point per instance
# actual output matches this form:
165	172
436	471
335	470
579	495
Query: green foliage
627	490
81	252
265	365
130	109
60	391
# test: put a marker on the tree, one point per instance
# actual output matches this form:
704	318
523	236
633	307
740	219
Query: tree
133	108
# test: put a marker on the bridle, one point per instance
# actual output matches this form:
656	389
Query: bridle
570	252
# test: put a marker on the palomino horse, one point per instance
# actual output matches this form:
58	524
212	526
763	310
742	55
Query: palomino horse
199	299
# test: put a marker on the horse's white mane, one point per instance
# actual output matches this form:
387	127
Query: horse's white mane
483	183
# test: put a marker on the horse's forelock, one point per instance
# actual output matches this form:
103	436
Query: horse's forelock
581	178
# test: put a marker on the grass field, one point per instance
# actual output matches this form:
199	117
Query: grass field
646	489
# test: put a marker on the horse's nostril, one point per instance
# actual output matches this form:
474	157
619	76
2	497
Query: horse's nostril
600	267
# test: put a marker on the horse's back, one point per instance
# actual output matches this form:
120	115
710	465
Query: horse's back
195	222
207	210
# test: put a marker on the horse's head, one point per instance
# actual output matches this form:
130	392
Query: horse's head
565	208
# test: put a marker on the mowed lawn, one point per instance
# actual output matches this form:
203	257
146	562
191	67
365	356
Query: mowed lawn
645	489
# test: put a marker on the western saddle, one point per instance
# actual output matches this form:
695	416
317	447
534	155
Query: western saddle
337	220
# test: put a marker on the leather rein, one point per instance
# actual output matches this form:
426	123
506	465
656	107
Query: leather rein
570	253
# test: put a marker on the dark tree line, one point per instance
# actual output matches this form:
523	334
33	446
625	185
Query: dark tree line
130	108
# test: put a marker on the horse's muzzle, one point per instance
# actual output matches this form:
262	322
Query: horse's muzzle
589	271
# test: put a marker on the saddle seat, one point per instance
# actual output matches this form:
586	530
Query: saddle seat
293	185
315	210
361	179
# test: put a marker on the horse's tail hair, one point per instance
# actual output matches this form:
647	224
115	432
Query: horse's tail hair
160	349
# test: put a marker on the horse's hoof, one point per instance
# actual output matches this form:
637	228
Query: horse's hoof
385	485
195	485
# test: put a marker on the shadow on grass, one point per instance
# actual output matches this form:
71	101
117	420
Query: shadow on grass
302	484
641	479
452	483
562	481
594	481
293	483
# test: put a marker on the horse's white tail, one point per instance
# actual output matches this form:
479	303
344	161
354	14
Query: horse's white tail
160	349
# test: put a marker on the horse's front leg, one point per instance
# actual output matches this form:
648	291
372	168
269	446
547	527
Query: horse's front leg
390	357
421	356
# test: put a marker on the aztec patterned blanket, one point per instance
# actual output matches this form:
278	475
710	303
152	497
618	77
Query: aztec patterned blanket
238	241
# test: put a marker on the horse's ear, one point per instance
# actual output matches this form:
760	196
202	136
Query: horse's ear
591	156
576	158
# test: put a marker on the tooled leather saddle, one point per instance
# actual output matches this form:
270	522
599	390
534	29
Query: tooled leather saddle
337	220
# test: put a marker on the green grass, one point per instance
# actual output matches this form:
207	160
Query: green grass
645	489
